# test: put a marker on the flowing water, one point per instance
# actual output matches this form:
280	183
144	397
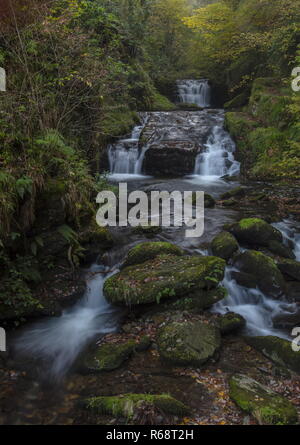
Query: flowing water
59	341
195	92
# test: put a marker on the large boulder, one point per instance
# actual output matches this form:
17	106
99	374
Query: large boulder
149	250
290	268
224	245
128	406
267	406
188	344
231	322
237	192
163	277
279	249
108	357
264	271
255	231
278	350
171	158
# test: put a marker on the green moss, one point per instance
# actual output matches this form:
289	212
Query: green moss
255	231
109	357
224	245
238	101
204	300
265	405
278	350
163	277
127	405
161	103
237	192
264	270
231	322
148	250
117	121
188	344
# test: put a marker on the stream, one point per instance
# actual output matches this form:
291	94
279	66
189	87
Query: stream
56	343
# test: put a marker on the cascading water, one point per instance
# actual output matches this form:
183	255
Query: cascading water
218	158
58	341
291	235
195	92
258	310
125	156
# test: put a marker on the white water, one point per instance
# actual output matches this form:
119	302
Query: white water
218	158
194	92
125	156
258	310
291	235
58	341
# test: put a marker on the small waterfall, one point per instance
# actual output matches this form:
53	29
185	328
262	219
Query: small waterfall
254	306
194	92
291	235
125	156
259	310
57	342
218	159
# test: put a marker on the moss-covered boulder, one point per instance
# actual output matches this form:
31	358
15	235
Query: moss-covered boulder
280	249
255	231
129	405
290	268
237	192
264	270
188	344
149	250
231	322
267	406
163	277
224	245
108	357
278	350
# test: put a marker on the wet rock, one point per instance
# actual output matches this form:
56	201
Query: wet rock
286	320
149	250
254	231
267	276
108	357
224	245
188	344
209	201
280	249
231	322
267	406
229	202
280	351
171	158
131	405
204	300
244	279
164	277
238	192
293	291
290	268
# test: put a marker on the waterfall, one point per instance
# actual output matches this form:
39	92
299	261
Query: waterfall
218	158
58	341
194	92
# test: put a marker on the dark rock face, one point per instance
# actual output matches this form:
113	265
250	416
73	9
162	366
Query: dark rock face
254	231
171	158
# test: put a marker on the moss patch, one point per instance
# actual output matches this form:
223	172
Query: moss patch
265	405
224	245
149	250
108	357
129	404
163	277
